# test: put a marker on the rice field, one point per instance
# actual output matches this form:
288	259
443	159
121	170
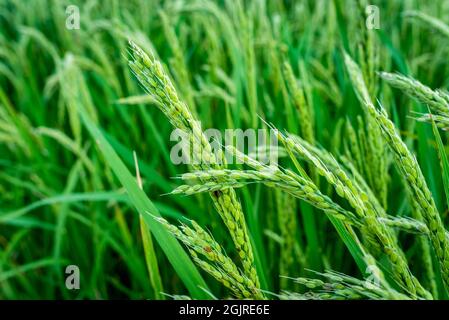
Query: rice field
217	149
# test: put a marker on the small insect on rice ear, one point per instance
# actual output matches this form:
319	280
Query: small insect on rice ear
208	249
217	193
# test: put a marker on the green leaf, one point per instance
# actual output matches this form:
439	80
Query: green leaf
350	240
443	160
151	260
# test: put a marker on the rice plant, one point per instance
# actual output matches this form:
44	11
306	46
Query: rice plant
112	162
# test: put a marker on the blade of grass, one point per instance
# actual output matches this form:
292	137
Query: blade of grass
350	242
46	262
147	241
443	160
